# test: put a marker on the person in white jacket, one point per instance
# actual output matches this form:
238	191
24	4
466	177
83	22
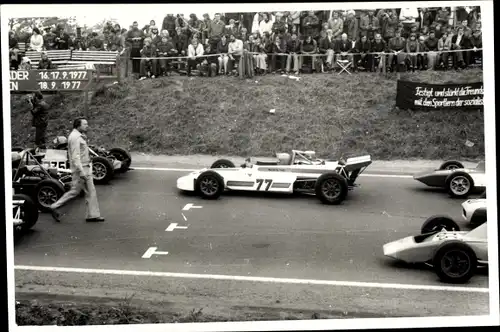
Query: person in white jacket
36	41
266	25
235	51
195	51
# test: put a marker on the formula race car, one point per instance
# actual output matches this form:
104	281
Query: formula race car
105	164
44	185
25	213
459	181
330	181
454	255
474	210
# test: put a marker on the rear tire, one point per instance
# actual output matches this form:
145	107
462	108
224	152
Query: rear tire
451	164
436	223
209	185
451	256
102	170
223	163
331	188
29	212
459	184
47	192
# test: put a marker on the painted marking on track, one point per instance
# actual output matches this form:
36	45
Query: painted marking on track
173	226
334	283
152	251
183	216
189	206
399	176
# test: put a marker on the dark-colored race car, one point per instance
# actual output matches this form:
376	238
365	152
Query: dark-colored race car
24	213
459	181
105	163
44	185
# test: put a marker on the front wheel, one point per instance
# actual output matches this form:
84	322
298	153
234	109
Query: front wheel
27	212
331	188
47	192
459	184
210	185
102	170
222	163
455	262
437	223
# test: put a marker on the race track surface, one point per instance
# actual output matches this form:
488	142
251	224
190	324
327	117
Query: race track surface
272	236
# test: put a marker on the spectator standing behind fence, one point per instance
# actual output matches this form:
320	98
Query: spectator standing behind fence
311	26
351	26
369	24
336	25
389	24
216	30
135	38
169	24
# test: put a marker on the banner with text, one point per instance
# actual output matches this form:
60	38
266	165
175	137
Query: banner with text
422	96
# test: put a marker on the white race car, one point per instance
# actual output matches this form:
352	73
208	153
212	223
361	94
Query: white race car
300	172
454	255
474	211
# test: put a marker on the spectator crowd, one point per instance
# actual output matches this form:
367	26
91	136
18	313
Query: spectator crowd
284	42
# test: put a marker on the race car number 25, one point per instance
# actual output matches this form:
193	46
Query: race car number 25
265	184
55	164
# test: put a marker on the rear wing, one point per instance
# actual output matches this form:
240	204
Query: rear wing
353	167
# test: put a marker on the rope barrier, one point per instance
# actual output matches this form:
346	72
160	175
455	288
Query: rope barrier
308	55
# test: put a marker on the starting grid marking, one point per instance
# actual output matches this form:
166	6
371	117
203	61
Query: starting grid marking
398	176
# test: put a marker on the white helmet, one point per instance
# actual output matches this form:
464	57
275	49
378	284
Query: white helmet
284	158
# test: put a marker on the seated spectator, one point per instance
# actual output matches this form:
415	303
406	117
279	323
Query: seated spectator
422	56
96	44
115	42
444	45
165	48
424	33
209	64
412	49
25	64
148	62
431	45
72	42
279	46
343	48
181	41
336	24
14	52
369	24
327	46
49	39
83	43
364	59
223	50
36	41
379	47
293	50
195	51
45	63
457	43
62	38
477	45
308	48
396	48
263	46
235	51
438	31
351	27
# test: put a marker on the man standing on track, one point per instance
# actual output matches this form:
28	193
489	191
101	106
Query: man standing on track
81	171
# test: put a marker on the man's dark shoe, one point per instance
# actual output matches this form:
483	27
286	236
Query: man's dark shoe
56	215
98	219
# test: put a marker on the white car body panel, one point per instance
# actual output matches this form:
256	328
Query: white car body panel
408	250
470	206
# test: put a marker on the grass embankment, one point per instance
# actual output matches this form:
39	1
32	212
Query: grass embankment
331	114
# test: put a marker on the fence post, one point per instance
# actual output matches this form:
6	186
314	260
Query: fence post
118	67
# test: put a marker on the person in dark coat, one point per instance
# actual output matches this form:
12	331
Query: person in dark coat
135	38
39	110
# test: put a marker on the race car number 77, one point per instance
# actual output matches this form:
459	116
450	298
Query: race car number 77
268	183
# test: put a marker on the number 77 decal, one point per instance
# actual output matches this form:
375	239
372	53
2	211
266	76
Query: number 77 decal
268	183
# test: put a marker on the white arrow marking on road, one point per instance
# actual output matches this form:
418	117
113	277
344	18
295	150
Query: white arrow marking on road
152	251
191	206
173	226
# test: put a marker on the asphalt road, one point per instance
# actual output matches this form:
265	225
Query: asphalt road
249	235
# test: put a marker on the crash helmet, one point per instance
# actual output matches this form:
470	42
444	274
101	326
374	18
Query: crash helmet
284	158
60	140
310	154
